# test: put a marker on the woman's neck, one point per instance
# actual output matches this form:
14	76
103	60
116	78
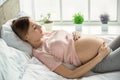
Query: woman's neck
36	44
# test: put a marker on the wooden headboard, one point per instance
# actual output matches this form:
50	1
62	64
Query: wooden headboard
8	10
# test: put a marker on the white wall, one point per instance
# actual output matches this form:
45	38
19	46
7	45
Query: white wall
119	11
8	10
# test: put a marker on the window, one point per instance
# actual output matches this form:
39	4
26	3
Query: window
104	6
70	7
26	6
43	7
63	10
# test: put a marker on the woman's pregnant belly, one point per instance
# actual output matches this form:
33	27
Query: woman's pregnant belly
87	47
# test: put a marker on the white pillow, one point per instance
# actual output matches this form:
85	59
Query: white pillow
13	40
12	62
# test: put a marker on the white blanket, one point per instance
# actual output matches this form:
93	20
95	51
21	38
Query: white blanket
35	70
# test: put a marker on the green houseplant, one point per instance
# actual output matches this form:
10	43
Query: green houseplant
46	22
78	19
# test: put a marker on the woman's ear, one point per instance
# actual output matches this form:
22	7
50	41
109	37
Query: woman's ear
26	37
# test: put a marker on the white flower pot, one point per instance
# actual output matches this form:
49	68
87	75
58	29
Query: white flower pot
78	27
104	27
48	26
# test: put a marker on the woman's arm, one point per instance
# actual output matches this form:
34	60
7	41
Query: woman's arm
80	71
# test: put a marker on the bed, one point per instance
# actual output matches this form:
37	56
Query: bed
17	63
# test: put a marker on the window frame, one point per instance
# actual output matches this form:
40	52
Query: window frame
89	22
61	22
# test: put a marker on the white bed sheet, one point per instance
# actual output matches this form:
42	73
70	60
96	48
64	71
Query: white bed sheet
35	70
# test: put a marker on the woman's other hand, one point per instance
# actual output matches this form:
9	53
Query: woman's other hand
76	35
103	51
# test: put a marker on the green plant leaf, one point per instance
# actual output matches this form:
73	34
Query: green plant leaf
78	18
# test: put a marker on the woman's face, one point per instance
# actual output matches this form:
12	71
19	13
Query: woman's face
34	34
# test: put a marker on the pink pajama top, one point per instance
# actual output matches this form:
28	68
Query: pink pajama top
57	48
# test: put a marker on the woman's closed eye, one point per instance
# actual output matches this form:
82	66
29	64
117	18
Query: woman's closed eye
34	27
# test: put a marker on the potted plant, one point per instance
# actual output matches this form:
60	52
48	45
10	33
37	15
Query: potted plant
78	19
104	18
46	22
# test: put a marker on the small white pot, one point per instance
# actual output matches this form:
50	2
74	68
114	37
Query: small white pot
78	27
104	27
48	26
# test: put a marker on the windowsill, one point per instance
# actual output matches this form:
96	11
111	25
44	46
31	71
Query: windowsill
90	29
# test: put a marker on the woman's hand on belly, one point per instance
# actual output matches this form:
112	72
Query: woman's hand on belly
76	35
87	47
104	50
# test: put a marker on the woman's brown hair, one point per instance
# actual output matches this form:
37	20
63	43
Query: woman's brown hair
20	26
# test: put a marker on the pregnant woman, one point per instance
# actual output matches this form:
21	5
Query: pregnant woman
58	48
